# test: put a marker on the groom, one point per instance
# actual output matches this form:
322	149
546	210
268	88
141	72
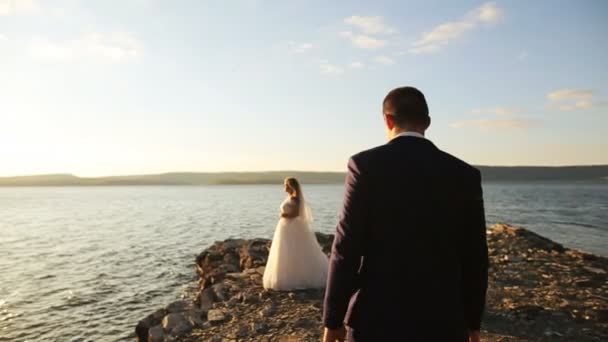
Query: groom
410	259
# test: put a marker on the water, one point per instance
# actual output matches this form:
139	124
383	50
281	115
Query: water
86	263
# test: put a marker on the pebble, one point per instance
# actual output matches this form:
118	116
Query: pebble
215	316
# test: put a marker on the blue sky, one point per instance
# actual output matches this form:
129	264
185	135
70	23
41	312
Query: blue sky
146	86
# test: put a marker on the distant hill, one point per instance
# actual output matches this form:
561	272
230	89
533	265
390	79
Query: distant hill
596	173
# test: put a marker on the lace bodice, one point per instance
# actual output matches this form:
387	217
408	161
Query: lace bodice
289	207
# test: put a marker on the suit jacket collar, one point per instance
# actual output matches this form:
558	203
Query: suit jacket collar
411	139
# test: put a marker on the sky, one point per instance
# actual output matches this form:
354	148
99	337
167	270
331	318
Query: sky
148	86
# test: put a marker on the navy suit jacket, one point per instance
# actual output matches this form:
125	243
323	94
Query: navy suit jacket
409	261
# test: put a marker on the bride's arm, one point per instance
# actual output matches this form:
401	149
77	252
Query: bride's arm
289	210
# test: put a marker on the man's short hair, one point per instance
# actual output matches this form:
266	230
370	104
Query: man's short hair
406	105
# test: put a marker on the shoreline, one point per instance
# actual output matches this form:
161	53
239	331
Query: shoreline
539	290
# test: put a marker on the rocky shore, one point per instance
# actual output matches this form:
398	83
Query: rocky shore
539	291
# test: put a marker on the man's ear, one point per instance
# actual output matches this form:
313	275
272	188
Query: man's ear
390	121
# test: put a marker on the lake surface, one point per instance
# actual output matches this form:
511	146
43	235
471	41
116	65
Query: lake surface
86	263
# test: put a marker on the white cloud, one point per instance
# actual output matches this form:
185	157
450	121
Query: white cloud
445	33
115	47
369	25
2	37
499	118
363	41
300	47
572	99
487	13
384	60
328	68
570	94
495	124
19	7
356	65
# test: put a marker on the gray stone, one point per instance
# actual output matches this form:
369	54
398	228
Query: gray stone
304	323
594	270
221	292
206	299
243	332
216	316
259	327
141	330
237	275
516	259
181	329
156	334
195	317
250	299
268	310
257	279
173	320
178	306
233	302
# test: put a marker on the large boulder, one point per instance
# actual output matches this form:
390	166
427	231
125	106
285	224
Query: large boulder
156	334
143	326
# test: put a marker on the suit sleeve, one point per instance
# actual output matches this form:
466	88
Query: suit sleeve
347	248
475	257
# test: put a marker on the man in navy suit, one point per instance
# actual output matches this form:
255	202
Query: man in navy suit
410	259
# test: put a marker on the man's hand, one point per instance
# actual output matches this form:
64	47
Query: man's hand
474	336
333	335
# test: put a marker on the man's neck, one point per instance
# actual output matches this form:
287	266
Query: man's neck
400	132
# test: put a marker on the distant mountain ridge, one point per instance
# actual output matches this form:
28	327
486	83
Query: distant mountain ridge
593	173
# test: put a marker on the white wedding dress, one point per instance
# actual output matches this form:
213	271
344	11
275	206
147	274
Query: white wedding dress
296	261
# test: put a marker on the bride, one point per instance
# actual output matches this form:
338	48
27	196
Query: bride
296	260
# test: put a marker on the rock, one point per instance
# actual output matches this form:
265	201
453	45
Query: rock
257	279
195	317
237	275
221	292
156	334
248	298
594	270
173	320
143	326
268	310
178	306
216	316
516	259
259	327
304	323
535	287
254	253
206	299
243	332
181	329
233	301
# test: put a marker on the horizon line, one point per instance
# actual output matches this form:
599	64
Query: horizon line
274	171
